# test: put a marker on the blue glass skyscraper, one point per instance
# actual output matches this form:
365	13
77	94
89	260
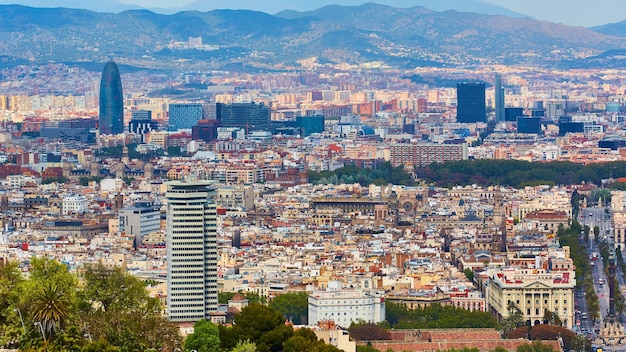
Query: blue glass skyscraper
111	101
470	102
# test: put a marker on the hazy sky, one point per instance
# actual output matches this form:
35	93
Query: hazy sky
572	12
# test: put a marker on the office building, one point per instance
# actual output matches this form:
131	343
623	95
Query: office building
205	130
81	130
511	114
252	116
142	124
111	100
499	98
139	220
191	232
184	116
310	124
530	125
470	98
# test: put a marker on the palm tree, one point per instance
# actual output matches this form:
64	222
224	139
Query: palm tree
50	307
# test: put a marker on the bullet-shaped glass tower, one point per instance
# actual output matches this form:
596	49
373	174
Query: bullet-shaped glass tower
111	101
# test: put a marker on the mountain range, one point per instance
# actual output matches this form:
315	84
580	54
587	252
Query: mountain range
268	6
404	37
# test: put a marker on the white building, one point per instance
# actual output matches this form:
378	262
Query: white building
74	204
345	306
111	184
16	181
191	250
139	221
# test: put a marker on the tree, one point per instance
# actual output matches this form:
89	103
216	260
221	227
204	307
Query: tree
205	337
258	324
469	273
115	306
50	307
244	346
536	346
294	306
11	284
367	332
49	295
305	340
581	344
552	318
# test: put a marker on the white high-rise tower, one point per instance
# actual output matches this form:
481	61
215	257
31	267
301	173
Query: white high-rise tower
191	250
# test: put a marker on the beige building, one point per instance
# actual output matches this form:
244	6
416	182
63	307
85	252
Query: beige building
333	335
236	196
618	208
532	291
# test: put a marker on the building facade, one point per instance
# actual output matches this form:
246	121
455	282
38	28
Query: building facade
424	154
346	306
470	98
252	116
74	204
184	116
142	124
111	100
139	221
191	229
533	291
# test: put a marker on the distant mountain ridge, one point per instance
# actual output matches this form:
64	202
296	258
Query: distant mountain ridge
407	37
268	6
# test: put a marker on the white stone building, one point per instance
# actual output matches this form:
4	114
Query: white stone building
344	306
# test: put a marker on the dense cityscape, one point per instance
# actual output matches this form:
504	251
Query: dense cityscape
333	207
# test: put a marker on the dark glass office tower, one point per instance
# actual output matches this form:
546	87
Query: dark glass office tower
470	98
499	97
111	101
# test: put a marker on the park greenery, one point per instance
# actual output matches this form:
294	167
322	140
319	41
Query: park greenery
570	236
382	175
517	173
105	309
513	173
294	306
436	316
265	328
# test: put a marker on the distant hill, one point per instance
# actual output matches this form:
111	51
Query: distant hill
407	37
112	6
617	29
475	6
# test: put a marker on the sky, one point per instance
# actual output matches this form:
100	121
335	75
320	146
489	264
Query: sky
584	13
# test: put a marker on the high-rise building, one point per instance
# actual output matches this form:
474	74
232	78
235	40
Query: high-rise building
111	100
142	124
310	124
184	116
252	116
191	230
511	114
530	125
470	98
499	97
